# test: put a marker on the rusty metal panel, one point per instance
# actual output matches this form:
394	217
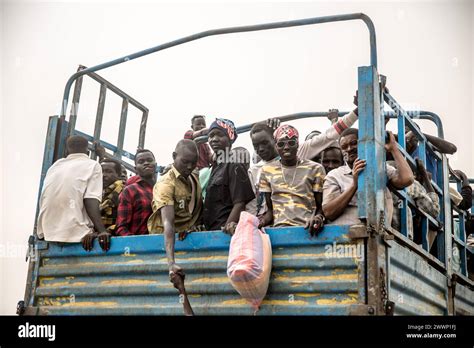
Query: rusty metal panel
416	287
322	275
463	300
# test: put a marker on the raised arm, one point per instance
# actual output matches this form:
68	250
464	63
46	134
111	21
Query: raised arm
441	145
404	176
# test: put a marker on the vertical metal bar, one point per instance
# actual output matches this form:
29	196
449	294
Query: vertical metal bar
424	233
448	236
48	158
441	234
123	124
372	180
75	102
99	116
404	207
61	137
462	235
404	216
141	137
371	184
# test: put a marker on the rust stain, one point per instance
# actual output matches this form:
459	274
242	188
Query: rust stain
300	256
210	280
315	294
306	279
289	271
43	279
50	285
128	282
243	302
91	304
334	301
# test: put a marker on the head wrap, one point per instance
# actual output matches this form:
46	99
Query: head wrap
285	131
226	126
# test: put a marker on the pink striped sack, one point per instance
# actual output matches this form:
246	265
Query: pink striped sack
250	260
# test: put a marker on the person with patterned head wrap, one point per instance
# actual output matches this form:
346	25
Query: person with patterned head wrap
292	186
229	188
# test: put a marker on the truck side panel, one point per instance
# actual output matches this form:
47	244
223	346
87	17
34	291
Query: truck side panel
324	275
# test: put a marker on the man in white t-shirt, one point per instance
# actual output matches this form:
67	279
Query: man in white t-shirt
69	203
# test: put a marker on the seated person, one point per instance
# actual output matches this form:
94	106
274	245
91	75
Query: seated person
69	202
113	186
228	189
340	185
135	201
331	158
198	129
292	186
177	200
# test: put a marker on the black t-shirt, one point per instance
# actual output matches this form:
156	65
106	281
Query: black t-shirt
228	184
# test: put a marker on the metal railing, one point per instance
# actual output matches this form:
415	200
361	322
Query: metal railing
440	223
127	101
222	31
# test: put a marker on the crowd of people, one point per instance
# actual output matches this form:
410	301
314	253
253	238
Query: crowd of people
210	183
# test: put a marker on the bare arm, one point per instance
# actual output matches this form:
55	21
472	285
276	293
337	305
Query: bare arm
235	212
167	215
267	218
316	223
231	223
441	145
405	175
93	210
334	208
200	133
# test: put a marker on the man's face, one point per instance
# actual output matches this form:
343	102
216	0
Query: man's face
218	140
185	161
264	145
287	148
332	159
198	124
145	164
109	174
411	142
349	148
123	174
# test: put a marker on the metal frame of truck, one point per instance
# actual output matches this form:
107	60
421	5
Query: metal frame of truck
394	276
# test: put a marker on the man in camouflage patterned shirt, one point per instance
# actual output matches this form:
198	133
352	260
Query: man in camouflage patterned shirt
292	186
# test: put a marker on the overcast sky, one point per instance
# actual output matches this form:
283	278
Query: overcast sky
425	48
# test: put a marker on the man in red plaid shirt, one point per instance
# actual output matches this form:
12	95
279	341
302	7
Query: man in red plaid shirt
135	200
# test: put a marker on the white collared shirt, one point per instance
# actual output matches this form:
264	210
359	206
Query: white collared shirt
340	180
